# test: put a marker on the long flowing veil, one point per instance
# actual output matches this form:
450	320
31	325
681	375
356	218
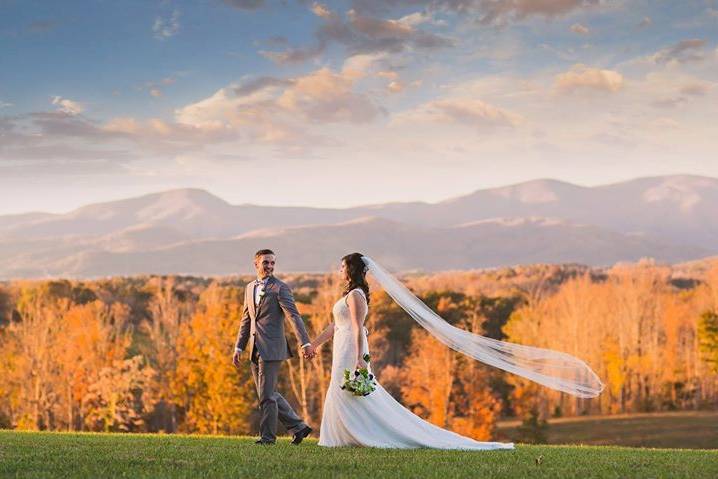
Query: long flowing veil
553	369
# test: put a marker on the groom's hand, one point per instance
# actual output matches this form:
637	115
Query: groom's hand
235	359
309	352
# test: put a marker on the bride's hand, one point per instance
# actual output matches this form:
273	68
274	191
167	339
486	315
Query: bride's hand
361	364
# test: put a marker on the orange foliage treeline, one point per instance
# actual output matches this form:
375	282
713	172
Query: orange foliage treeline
153	353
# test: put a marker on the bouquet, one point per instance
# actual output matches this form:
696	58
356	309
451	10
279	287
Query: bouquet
361	383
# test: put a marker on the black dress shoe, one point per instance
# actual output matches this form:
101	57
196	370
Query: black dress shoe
264	443
300	435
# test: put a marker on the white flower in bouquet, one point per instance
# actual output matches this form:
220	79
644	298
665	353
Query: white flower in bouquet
361	383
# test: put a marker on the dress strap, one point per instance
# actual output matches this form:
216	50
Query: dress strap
350	292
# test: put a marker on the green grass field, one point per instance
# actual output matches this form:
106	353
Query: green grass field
688	430
24	454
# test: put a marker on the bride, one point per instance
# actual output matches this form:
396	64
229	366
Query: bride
378	420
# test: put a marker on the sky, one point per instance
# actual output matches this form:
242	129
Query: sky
343	103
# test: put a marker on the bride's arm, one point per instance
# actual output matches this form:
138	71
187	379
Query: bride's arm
357	311
324	335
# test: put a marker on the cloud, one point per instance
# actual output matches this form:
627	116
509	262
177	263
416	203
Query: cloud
503	10
166	136
165	28
293	55
697	89
581	77
416	18
580	29
62	123
463	111
686	92
259	84
325	96
486	11
392	35
36	135
321	10
32	169
68	106
395	86
4	104
61	151
361	34
321	96
39	145
691	50
282	110
362	64
245	4
156	88
670	103
390	75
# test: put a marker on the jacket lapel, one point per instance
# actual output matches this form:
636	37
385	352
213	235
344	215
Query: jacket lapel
266	288
252	307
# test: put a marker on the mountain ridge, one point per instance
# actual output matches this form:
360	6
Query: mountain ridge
668	217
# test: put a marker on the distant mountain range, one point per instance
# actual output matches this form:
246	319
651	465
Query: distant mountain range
670	218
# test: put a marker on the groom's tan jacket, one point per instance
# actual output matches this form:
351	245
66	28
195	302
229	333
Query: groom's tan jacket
262	326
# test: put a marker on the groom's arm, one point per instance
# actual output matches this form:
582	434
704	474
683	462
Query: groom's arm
286	301
244	326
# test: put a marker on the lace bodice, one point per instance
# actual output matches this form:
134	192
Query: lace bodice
341	313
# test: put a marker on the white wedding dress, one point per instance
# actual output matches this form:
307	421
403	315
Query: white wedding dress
376	420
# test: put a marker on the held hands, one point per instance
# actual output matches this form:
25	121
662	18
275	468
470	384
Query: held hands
309	352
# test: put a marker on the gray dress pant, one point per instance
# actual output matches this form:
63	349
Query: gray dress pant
271	403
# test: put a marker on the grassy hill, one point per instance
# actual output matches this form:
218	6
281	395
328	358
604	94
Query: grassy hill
34	455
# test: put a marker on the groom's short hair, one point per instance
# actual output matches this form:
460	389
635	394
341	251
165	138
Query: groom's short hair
262	252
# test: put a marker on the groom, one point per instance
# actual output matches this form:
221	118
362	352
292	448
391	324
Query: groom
266	302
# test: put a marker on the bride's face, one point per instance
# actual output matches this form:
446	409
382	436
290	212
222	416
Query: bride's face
343	271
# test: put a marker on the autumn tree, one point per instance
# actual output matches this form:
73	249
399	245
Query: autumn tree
119	400
216	397
429	373
708	337
169	308
91	337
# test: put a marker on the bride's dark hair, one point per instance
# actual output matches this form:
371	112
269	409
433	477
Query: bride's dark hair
356	272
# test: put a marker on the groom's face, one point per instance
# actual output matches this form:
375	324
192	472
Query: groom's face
265	265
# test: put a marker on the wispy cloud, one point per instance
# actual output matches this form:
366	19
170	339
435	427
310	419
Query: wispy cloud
68	106
267	106
488	11
167	27
580	29
690	50
360	33
462	111
582	77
